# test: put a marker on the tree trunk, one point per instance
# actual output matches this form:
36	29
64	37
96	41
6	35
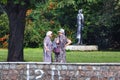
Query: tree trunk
16	14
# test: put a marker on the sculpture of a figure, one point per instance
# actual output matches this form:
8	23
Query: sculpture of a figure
80	25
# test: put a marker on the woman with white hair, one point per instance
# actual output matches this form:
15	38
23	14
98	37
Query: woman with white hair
62	41
48	47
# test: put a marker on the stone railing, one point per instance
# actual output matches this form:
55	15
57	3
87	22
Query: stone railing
56	71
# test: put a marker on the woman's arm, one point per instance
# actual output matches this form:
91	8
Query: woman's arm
68	42
45	44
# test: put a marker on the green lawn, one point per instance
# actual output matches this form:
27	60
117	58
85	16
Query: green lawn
36	55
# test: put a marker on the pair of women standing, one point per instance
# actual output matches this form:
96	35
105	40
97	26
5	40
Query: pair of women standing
62	40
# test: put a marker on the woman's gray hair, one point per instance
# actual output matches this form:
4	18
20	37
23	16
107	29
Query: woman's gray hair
48	33
62	31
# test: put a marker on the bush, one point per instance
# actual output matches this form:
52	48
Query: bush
4	30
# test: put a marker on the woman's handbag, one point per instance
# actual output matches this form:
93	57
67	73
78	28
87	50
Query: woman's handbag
56	50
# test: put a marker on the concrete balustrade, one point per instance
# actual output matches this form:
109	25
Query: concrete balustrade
82	47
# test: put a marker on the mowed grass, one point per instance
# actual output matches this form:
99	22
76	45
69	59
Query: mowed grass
36	55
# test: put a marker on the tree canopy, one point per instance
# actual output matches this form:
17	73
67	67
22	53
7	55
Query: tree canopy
101	18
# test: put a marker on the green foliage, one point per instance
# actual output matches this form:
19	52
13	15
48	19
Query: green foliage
101	16
48	16
3	1
3	25
3	29
32	37
102	20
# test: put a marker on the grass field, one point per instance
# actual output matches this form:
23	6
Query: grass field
36	55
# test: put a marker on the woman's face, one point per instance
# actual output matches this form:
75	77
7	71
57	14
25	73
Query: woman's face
50	35
60	33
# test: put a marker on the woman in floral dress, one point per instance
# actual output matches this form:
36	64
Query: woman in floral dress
48	47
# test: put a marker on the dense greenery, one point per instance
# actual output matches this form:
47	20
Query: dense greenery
36	55
4	30
101	21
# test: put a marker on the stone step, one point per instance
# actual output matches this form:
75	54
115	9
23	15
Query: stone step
82	47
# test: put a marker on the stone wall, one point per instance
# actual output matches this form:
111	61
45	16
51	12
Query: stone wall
55	71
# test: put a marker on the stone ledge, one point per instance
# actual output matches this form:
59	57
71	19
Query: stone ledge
82	47
47	63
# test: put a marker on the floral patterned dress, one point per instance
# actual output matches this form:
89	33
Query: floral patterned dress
62	56
47	54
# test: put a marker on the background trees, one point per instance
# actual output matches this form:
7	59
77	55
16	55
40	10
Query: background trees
101	20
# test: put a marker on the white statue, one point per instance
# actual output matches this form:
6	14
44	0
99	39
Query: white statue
80	25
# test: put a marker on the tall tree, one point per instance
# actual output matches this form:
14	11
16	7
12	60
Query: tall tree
16	14
16	11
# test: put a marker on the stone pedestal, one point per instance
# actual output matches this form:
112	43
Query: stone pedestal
82	47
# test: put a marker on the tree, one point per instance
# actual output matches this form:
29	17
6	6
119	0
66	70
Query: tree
16	11
16	14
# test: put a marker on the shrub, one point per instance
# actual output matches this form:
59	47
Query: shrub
4	30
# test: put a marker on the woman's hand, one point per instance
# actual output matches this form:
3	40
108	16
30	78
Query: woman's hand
47	49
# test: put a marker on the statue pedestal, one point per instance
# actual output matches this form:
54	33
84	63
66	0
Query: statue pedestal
82	47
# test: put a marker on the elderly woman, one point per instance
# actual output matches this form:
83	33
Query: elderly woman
63	41
48	47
